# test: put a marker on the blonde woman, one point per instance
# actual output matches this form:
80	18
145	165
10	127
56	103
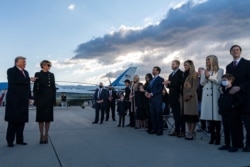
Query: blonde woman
134	88
210	80
189	100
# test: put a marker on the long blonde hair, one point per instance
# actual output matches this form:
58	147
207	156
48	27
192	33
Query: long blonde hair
135	83
214	63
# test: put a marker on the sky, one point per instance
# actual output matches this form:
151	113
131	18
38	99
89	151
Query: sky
90	41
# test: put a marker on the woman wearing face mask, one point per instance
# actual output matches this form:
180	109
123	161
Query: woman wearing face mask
228	107
211	80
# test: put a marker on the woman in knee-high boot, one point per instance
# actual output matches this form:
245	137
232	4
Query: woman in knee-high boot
211	80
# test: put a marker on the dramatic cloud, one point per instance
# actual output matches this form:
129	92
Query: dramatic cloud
190	31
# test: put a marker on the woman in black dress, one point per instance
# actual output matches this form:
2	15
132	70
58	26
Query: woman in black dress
44	98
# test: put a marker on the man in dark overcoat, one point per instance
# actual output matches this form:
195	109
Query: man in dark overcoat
17	101
240	69
100	96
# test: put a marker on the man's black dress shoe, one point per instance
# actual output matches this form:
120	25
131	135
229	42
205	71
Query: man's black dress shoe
94	122
101	122
160	133
152	132
189	138
232	149
224	147
246	149
10	145
21	143
173	133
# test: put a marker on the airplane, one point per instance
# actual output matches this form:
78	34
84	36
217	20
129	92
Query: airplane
78	93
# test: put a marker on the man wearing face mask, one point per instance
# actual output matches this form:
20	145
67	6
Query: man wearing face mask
111	103
100	96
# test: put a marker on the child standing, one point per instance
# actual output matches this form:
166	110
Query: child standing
122	110
231	118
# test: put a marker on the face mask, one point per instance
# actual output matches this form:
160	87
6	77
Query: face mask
224	83
100	86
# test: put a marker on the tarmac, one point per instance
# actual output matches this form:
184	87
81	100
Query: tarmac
75	142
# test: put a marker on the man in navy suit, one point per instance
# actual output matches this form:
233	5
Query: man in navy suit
154	93
174	84
100	97
17	101
240	69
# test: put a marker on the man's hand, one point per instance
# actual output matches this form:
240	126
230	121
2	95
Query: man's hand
99	101
166	82
33	79
148	95
234	90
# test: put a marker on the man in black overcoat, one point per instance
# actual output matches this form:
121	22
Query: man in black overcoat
17	101
174	84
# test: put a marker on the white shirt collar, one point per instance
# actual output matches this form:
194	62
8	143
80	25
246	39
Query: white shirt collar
238	60
19	68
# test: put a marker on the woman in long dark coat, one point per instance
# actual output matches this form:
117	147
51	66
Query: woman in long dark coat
44	98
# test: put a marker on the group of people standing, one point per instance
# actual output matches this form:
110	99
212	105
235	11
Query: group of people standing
224	98
18	98
210	95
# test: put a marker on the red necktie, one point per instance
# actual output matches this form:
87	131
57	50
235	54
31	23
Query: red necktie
23	73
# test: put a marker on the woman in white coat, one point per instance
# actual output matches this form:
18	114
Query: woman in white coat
211	80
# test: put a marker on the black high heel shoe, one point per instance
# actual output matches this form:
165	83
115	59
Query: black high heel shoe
46	140
41	139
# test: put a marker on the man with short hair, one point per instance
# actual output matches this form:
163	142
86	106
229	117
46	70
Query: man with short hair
154	94
174	84
17	101
240	69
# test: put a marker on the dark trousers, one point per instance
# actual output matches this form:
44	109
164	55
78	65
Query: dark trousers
233	130
110	105
156	115
150	124
203	124
99	107
131	114
15	130
246	121
215	128
121	120
178	121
